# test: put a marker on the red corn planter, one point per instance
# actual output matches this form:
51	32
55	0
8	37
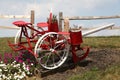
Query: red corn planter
51	43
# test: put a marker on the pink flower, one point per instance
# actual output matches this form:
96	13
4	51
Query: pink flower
27	67
20	61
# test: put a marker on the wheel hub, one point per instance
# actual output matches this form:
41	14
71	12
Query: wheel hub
52	50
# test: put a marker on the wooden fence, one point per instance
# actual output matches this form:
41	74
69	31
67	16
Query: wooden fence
31	17
61	19
66	20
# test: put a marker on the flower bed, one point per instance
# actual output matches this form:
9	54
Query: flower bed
17	67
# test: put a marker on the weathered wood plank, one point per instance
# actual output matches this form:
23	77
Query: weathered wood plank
91	17
14	16
32	21
60	21
9	27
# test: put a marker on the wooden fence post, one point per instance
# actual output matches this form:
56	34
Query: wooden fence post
32	20
60	21
66	24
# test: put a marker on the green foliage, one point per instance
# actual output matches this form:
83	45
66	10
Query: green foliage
54	19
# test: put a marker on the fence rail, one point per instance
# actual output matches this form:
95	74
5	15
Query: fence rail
31	17
91	17
14	16
66	20
9	27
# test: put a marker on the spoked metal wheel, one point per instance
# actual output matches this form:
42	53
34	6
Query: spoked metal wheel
52	50
17	36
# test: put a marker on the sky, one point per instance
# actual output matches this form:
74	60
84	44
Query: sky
68	7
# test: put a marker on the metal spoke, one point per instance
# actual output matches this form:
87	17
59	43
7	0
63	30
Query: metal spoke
53	60
60	42
57	53
44	55
50	43
42	50
44	41
47	59
57	46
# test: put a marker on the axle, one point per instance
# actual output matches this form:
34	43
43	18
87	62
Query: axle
97	29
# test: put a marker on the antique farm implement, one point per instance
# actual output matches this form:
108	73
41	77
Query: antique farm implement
51	47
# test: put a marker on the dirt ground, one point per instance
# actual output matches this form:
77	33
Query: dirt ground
97	58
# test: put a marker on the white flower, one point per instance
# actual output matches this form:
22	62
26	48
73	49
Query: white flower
17	65
0	70
17	76
5	70
10	77
22	71
2	65
0	76
32	64
22	75
28	72
3	76
14	62
1	62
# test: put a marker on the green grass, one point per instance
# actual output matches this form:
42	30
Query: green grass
93	42
102	42
4	48
90	75
111	73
